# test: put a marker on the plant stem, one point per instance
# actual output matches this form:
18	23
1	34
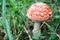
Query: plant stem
36	27
36	31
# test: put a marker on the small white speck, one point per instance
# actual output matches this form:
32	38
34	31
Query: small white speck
45	16
47	11
37	8
44	7
50	12
40	9
34	12
42	14
37	12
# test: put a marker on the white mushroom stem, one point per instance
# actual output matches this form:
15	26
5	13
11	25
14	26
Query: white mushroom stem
36	27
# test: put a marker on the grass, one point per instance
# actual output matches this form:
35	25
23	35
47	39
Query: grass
14	25
4	21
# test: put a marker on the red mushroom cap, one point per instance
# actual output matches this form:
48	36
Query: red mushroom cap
39	12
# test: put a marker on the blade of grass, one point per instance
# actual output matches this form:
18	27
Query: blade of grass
13	4
27	32
49	27
20	33
4	20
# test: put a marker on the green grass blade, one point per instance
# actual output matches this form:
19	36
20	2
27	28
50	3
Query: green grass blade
4	21
49	27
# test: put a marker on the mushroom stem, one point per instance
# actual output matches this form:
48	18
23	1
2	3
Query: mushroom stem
36	31
36	27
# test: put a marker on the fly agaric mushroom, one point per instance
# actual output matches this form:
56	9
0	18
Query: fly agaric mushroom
39	12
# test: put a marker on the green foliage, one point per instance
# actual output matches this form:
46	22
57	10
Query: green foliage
13	17
4	21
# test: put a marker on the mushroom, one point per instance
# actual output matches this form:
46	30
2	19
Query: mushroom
39	12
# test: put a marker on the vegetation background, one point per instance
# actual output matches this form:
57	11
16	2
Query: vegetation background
14	25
